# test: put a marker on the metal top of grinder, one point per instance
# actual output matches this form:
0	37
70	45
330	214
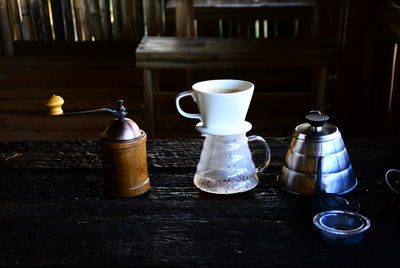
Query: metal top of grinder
121	128
317	160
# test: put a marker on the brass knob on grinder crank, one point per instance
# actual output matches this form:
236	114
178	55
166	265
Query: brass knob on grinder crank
54	104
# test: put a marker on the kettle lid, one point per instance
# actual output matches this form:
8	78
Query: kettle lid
316	128
122	129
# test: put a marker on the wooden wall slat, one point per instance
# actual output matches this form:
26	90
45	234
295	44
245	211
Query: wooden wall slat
6	47
393	124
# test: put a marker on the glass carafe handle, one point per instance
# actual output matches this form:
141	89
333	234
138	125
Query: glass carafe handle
267	152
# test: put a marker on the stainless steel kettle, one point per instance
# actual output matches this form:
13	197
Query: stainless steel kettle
317	160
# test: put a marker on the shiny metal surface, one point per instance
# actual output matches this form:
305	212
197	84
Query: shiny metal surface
330	163
122	130
308	132
341	227
302	183
317	149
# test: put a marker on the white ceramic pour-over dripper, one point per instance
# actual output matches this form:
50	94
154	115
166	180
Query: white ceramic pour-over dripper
226	165
223	105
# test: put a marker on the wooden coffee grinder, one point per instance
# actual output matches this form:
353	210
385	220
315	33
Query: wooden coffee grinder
123	147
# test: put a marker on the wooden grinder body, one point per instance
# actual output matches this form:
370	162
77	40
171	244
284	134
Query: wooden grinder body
125	167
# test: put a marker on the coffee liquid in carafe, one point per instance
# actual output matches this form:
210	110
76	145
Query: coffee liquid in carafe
219	182
226	165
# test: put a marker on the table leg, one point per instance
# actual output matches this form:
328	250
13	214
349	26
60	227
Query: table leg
151	85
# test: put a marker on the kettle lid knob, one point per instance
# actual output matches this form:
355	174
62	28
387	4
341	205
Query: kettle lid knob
316	118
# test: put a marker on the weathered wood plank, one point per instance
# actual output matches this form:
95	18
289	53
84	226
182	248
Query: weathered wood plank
249	8
69	72
174	52
6	45
53	211
32	98
110	49
85	82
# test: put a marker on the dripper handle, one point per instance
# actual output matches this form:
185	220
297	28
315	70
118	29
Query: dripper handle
267	152
178	107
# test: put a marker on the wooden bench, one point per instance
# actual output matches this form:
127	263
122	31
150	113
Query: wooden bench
154	53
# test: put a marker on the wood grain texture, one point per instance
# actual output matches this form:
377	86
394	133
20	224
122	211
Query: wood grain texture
248	9
125	167
85	82
53	211
6	46
176	52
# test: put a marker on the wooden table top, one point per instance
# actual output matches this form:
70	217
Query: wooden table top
52	211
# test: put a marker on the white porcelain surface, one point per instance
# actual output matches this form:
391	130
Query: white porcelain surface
223	103
242	128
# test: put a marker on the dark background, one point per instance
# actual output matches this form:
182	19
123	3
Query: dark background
94	74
